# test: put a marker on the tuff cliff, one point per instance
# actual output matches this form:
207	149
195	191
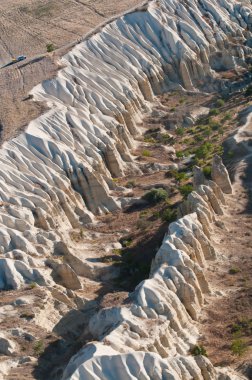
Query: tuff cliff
59	175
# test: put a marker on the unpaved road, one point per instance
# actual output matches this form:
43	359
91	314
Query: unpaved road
26	27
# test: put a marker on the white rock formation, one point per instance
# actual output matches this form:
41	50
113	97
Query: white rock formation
220	175
57	174
152	337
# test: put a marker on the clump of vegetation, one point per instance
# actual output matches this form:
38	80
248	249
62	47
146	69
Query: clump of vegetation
204	150
127	242
238	347
234	271
149	139
33	285
179	154
214	112
220	102
207	170
179	176
168	215
38	347
198	350
146	153
117	251
155	196
227	117
185	190
180	131
131	184
214	125
50	47
230	154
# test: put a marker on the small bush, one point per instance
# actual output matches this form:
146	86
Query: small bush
130	184
38	347
230	154
185	190
204	150
179	154
180	131
234	271
146	153
50	47
143	214
207	171
214	125
168	215
149	139
220	103
155	196
214	112
117	251
238	347
227	117
198	350
179	176
127	242
33	285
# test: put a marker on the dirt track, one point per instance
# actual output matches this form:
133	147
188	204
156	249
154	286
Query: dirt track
26	27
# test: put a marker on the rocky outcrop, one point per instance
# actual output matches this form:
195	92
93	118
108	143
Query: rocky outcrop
7	346
154	335
220	175
57	174
65	276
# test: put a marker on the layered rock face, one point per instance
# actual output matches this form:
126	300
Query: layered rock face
57	174
152	337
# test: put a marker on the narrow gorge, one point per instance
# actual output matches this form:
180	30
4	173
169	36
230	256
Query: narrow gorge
145	106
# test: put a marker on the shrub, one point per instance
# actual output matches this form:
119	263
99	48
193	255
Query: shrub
127	242
227	116
238	347
207	171
179	176
33	285
185	190
198	350
204	150
179	154
50	47
230	154
220	103
179	131
38	347
214	112
117	251
149	139
146	153
155	196
215	125
168	215
234	271
130	184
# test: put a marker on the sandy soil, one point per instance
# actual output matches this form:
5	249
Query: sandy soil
26	27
